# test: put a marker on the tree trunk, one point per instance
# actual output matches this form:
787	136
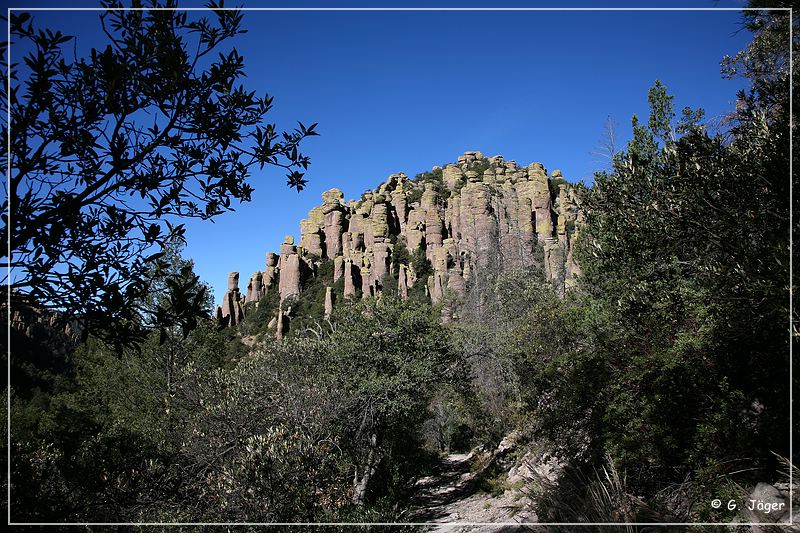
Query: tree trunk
360	485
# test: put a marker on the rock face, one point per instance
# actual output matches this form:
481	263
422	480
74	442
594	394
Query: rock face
289	284
470	218
328	301
232	311
255	288
270	276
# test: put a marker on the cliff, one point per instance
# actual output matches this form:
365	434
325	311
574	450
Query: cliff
467	218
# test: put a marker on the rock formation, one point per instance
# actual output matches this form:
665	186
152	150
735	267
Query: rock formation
270	276
232	311
470	218
289	284
328	301
255	288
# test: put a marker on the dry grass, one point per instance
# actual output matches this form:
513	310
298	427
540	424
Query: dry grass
601	498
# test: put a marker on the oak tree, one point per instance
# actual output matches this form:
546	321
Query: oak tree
111	153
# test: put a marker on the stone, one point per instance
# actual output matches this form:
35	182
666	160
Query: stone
452	216
310	237
333	197
350	279
402	282
379	221
451	175
478	224
255	288
334	227
429	198
282	325
381	260
562	210
289	282
415	229
537	189
270	275
436	288
328	301
232	311
766	504
338	268
233	281
357	241
400	205
434	232
491	217
366	283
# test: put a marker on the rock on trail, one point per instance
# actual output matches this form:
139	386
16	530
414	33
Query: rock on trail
451	499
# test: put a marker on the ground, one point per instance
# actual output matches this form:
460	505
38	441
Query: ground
450	496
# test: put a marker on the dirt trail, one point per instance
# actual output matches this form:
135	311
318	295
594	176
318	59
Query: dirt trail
450	497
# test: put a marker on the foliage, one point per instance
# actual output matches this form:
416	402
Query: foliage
414	195
400	253
178	431
310	307
420	264
111	151
422	269
657	378
602	497
260	438
98	440
454	421
389	356
434	179
257	316
675	357
480	166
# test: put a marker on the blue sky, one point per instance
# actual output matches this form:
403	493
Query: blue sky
404	91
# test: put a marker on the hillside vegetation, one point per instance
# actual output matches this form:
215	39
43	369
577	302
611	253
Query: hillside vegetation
633	334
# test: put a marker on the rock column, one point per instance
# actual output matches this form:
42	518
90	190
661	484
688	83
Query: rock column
289	284
232	310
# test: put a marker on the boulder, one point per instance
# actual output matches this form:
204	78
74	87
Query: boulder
767	504
332	198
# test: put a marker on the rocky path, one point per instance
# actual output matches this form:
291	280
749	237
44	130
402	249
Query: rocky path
450	497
